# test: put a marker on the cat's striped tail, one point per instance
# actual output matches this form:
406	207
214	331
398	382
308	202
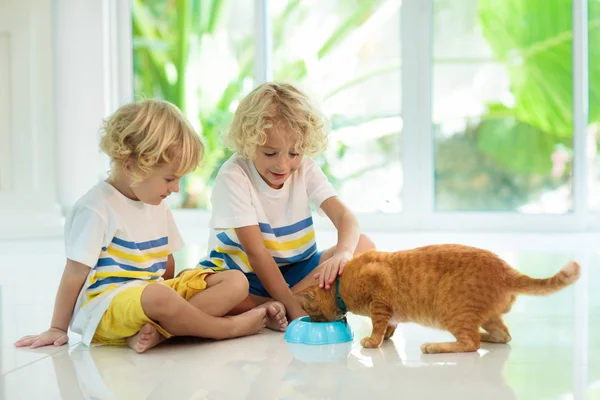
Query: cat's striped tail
523	284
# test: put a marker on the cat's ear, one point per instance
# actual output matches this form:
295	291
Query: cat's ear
307	294
310	295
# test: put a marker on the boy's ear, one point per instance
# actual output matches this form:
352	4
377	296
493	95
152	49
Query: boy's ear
129	163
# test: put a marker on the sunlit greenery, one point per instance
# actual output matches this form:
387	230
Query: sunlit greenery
501	161
168	33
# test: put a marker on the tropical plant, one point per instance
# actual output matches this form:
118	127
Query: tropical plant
505	159
177	41
534	41
182	53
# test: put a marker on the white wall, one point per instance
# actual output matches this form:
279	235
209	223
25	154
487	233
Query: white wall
5	142
27	174
92	66
79	97
60	64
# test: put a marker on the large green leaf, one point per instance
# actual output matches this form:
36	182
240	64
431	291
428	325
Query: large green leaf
534	39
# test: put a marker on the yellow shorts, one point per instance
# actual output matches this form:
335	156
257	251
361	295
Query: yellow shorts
125	316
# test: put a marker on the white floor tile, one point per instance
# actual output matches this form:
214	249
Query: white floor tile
555	352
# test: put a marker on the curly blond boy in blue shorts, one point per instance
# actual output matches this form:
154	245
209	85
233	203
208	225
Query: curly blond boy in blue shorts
262	221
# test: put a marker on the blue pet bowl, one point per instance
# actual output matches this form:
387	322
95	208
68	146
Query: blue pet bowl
302	331
326	354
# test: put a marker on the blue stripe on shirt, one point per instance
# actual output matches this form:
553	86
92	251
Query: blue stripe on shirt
141	245
227	240
286	230
300	257
225	257
231	264
108	261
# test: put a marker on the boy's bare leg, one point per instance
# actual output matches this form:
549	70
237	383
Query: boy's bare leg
275	310
251	301
226	290
145	339
277	319
177	316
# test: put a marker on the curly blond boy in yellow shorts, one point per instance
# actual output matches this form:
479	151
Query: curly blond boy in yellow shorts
119	240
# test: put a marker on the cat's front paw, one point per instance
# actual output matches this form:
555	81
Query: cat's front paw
369	343
430	348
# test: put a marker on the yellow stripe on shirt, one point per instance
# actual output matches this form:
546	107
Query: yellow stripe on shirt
292	244
242	256
127	274
93	295
137	258
218	262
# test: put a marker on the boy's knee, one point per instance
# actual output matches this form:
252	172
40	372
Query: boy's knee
238	281
157	301
365	243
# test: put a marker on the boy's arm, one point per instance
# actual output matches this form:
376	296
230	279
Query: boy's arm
170	270
345	222
72	281
266	269
348	231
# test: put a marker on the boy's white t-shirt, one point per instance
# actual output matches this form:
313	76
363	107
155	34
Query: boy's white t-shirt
241	198
124	242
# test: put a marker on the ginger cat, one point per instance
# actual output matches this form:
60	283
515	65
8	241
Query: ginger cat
451	287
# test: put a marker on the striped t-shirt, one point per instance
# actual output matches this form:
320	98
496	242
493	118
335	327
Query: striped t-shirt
124	242
241	198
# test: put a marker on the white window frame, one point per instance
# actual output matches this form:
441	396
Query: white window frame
418	211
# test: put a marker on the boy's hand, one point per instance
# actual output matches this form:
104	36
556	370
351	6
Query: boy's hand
331	269
52	336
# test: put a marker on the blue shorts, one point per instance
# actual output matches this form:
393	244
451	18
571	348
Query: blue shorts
292	273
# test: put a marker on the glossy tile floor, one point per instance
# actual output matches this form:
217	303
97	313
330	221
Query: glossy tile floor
555	352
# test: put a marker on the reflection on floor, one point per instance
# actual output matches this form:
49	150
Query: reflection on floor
555	352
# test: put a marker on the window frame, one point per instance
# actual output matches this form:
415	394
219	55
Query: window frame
418	193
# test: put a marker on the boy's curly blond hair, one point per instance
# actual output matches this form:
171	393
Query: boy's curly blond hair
276	103
154	133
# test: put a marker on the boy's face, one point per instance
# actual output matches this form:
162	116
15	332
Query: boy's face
158	185
277	160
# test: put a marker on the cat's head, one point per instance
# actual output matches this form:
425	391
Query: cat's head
320	304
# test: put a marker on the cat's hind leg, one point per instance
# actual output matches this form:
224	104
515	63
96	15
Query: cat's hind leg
381	313
496	331
467	340
389	332
465	328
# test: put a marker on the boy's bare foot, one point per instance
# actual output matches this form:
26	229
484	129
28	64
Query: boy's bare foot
250	322
276	319
145	339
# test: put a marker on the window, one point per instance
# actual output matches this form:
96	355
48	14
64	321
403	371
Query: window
201	59
348	54
502	105
593	136
441	110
